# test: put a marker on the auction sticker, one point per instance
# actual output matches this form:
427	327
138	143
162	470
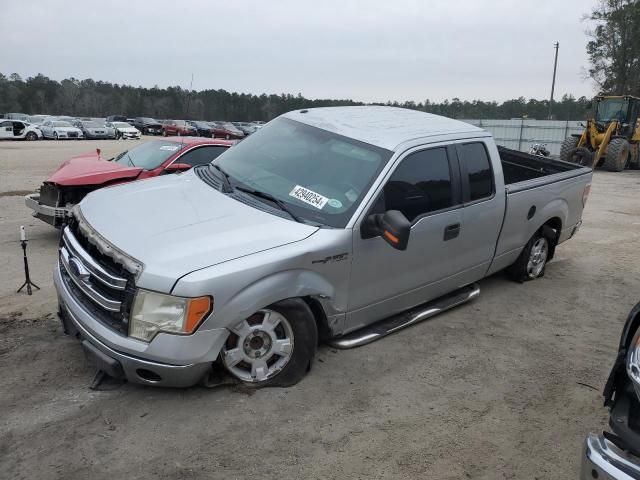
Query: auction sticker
171	148
308	196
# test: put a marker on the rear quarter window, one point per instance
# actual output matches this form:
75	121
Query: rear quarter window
476	167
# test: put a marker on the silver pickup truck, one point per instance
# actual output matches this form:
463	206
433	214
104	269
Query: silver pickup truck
332	224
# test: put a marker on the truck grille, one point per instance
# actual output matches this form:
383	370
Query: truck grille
101	286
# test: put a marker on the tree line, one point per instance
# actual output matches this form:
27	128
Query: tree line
91	98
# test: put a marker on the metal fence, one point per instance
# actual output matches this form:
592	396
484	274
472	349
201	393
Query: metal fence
521	134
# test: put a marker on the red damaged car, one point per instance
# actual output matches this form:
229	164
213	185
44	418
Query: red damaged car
80	175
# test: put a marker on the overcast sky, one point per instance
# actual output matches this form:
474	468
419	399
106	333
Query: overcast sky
363	50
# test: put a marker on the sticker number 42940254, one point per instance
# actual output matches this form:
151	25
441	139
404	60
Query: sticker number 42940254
309	196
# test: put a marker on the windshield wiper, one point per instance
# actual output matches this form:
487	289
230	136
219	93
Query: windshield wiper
130	161
226	184
271	198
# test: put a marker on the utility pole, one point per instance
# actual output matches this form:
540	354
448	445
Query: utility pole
553	83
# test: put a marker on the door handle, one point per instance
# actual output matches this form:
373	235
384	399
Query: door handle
451	231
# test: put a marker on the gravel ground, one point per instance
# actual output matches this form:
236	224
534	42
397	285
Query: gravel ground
504	387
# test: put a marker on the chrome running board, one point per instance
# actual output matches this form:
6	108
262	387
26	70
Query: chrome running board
390	325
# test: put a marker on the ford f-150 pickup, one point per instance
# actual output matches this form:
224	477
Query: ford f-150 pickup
339	224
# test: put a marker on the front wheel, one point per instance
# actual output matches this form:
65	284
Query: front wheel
55	135
31	136
617	156
533	259
273	347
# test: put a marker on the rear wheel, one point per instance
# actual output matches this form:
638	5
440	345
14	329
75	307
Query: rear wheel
617	156
533	259
31	136
568	147
55	135
273	347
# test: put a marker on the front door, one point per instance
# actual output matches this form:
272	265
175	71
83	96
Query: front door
425	187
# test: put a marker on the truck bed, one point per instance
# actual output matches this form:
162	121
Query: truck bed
537	189
520	167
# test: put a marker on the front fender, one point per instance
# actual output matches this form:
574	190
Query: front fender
266	291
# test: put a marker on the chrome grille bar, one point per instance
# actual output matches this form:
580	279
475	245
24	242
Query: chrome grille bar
97	272
85	284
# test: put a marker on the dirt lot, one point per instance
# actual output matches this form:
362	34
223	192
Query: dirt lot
504	387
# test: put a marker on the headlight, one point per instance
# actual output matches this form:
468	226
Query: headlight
156	312
633	362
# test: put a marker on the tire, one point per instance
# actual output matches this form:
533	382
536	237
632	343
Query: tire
55	136
567	148
532	261
250	355
634	157
31	136
164	132
617	156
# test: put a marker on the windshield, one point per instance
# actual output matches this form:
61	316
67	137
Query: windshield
180	123
121	125
229	126
201	124
321	176
148	120
149	155
91	124
62	124
609	110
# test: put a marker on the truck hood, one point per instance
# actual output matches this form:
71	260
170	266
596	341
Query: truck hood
91	170
177	224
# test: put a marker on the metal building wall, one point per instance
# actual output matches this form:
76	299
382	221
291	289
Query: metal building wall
520	134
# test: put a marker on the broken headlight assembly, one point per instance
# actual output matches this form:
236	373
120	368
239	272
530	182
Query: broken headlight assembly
633	362
153	313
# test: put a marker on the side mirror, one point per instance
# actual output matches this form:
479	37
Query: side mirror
177	167
392	226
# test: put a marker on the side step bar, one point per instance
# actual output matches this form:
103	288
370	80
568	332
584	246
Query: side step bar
390	325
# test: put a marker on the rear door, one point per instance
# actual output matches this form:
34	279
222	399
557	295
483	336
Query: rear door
483	212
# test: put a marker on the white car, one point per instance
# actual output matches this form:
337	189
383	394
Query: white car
59	129
18	130
124	130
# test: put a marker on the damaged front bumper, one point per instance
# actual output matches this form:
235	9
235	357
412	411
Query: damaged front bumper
123	357
56	216
603	460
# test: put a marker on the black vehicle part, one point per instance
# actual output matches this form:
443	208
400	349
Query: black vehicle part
625	418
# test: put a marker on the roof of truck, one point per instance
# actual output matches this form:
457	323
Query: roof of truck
385	127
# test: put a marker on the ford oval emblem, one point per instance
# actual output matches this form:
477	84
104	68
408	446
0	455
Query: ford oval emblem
78	270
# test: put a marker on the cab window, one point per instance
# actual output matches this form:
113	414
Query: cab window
476	170
421	184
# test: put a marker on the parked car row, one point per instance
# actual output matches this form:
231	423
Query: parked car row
34	127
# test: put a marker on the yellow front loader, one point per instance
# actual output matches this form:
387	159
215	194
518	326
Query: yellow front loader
610	139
